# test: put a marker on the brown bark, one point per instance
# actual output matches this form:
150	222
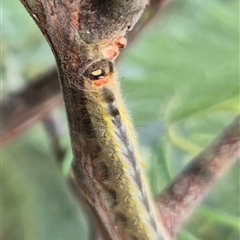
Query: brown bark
80	33
73	56
179	200
25	108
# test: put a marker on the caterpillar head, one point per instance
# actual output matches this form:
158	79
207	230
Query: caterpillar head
99	73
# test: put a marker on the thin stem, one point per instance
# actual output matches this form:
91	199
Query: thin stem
53	129
179	200
23	109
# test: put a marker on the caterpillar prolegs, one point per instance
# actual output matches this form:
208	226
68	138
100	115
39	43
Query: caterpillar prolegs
118	163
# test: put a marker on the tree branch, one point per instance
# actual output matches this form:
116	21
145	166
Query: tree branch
82	33
179	200
75	50
25	108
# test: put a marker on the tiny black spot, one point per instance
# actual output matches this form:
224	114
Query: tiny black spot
111	67
113	195
114	112
108	95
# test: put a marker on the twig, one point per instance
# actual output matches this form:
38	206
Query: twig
23	109
95	230
52	127
179	200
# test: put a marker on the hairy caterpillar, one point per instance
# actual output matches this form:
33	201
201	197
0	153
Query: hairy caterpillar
118	164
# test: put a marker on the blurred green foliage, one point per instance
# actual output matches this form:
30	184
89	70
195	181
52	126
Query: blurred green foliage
181	82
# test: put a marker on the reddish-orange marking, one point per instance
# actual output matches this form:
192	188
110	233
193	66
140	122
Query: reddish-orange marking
101	81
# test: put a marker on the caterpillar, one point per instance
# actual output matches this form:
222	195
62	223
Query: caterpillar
118	164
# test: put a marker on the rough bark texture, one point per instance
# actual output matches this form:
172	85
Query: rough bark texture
80	33
178	201
78	38
21	110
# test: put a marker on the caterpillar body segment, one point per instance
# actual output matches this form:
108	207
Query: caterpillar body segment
118	160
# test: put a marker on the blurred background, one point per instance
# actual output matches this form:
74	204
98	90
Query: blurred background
180	81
